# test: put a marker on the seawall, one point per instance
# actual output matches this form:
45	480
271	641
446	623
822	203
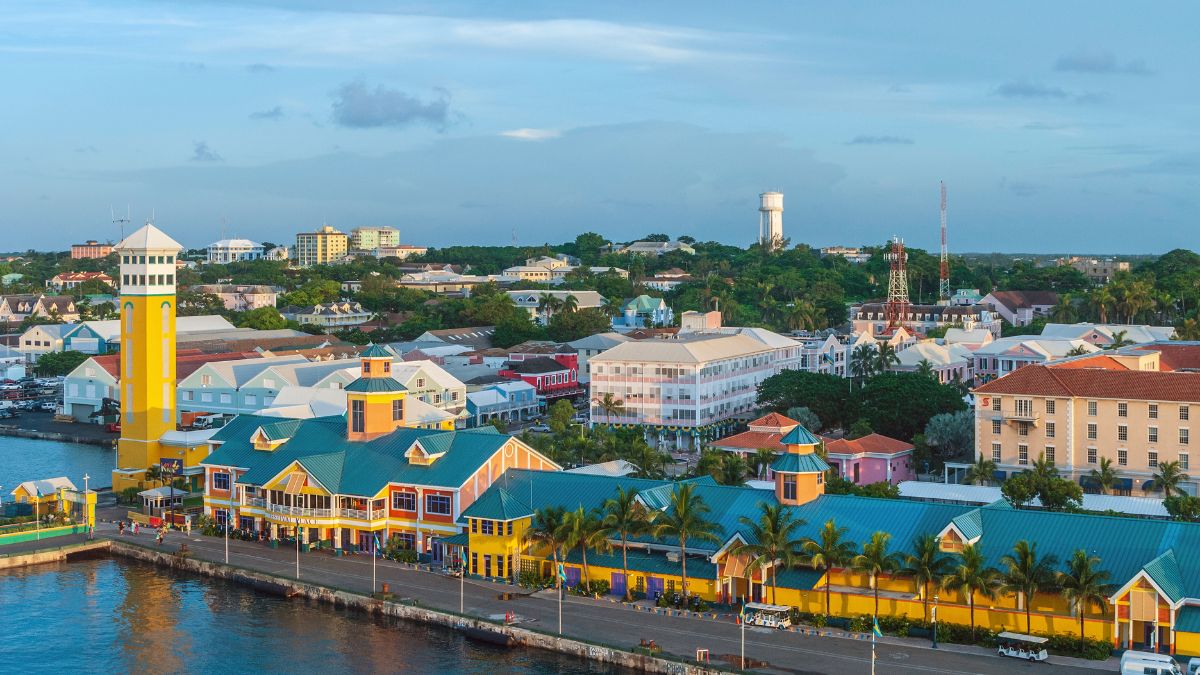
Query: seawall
51	555
56	436
340	598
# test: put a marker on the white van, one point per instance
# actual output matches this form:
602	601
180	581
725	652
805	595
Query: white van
1193	666
1148	663
215	421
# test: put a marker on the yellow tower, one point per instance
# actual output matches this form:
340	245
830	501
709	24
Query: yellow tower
147	366
375	401
799	471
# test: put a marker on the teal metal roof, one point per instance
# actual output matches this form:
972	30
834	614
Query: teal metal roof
970	524
646	562
460	539
659	498
539	489
799	578
375	385
497	504
359	468
280	430
1164	570
642	304
1187	619
792	463
375	352
800	436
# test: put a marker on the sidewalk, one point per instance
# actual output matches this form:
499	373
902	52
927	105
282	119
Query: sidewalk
613	623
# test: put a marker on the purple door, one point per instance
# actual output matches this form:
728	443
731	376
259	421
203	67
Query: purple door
573	574
618	584
654	588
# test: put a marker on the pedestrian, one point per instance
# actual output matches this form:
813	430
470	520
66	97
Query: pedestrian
120	527
134	525
187	525
162	532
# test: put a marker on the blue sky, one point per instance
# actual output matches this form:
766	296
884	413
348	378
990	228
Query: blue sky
1066	127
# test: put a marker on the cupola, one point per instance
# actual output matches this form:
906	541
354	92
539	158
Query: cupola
375	401
799	471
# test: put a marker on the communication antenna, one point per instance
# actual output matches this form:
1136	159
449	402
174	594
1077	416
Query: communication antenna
120	221
514	236
896	308
944	270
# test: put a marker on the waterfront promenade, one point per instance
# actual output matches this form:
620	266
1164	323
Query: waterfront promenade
603	621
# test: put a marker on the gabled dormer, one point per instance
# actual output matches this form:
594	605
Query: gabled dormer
425	454
270	437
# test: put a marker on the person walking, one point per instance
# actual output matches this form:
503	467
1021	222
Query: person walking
162	532
120	527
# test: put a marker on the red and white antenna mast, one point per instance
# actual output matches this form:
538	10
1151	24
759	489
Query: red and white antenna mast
944	271
896	308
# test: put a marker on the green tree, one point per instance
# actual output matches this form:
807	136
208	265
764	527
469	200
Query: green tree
1167	478
774	540
875	560
829	550
900	405
826	395
925	369
733	469
926	565
860	428
982	472
1084	586
807	418
687	518
583	529
59	363
1025	573
547	529
885	357
263	318
610	405
1183	507
625	517
571	324
561	412
515	329
761	460
971	576
953	434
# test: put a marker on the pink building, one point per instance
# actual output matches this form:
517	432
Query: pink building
871	459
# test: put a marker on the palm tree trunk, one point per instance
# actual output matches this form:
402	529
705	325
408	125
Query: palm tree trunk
625	563
583	552
925	601
773	584
827	580
875	587
1027	618
683	566
971	602
1081	638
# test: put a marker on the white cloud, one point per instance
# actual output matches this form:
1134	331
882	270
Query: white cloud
527	134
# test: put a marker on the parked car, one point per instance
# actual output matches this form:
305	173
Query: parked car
7	413
113	427
540	428
25	405
48	406
581	418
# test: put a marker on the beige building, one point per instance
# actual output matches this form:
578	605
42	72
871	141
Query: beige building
373	238
326	245
1098	271
1133	406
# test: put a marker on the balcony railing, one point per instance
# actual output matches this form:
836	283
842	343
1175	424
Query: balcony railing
299	511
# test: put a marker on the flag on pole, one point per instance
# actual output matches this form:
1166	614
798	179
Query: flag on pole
562	573
875	632
377	544
741	617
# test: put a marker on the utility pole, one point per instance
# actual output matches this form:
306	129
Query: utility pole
944	264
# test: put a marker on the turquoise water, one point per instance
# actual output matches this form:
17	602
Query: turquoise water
23	459
117	616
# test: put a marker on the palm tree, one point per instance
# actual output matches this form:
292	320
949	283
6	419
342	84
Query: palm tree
709	463
157	474
1120	339
1079	351
1101	300
611	405
548	304
885	357
761	460
972	577
547	529
569	304
925	369
828	551
580	528
1083	585
733	470
1168	478
875	559
1188	329
775	542
926	565
625	517
1025	573
1064	310
862	361
982	472
1105	476
687	518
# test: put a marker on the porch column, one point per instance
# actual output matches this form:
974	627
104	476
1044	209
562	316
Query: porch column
274	531
1116	638
1156	645
1171	645
335	533
1129	642
304	536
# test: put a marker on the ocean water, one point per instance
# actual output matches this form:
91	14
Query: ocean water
23	459
117	616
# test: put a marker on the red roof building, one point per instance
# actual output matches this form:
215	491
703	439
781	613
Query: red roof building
871	459
764	432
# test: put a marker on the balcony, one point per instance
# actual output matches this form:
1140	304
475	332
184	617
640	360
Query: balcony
299	511
1016	418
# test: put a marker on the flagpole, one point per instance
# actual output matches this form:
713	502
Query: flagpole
743	622
374	554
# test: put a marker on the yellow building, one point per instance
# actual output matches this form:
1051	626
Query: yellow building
326	245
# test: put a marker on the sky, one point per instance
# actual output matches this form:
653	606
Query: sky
1063	127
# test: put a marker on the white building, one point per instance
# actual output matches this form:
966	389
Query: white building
534	302
1103	335
852	255
691	387
1004	355
401	251
370	239
592	345
668	280
242	298
950	362
655	248
233	250
328	315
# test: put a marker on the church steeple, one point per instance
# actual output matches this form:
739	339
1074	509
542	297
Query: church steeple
375	401
799	471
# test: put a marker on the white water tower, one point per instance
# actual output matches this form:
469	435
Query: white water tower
770	219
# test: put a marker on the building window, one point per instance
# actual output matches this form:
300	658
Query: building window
1091	431
251	399
404	501
1091	408
1091	456
995	426
1050	429
1183	436
1152	434
1183	412
220	481
226	398
188	394
474	526
1122	410
1153	413
1049	406
508	528
1022	454
996	404
995	452
358	416
1122	457
485	527
366	367
1122	432
438	505
1023	428
1183	461
789	487
398	410
1024	407
1049	454
1152	459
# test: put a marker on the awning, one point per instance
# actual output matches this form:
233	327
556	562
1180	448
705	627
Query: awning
460	539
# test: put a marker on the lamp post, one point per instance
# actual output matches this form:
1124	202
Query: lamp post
297	538
934	631
87	522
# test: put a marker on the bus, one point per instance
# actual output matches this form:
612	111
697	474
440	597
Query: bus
768	616
1020	646
1148	663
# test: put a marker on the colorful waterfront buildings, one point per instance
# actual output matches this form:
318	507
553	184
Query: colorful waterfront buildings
375	471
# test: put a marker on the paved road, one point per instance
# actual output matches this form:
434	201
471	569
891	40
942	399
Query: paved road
607	622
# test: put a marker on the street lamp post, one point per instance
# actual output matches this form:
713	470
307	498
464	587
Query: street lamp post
296	536
87	522
934	631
